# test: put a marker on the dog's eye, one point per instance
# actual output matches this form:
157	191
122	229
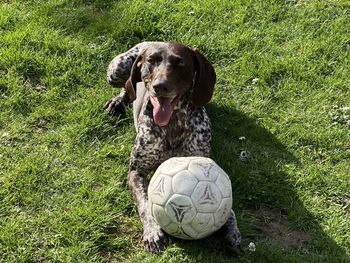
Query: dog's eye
178	61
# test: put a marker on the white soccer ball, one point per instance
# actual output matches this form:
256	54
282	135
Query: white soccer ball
190	197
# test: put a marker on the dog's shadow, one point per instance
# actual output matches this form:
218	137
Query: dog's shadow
270	214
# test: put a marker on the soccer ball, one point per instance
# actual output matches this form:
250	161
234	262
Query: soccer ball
190	197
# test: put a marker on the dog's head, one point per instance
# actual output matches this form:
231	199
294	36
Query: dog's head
169	70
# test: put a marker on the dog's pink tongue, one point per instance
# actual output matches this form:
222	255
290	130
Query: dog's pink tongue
162	110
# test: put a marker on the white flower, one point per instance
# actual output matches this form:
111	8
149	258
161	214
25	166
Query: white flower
244	155
92	45
251	247
255	80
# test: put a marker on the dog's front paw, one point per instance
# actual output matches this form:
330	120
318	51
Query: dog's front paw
235	248
233	235
155	239
115	106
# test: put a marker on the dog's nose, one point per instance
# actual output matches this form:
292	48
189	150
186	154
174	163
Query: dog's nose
160	86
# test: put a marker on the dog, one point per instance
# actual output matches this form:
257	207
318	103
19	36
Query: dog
168	84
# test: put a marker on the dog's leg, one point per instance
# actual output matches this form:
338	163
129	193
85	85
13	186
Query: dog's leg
117	74
116	105
119	68
232	235
153	237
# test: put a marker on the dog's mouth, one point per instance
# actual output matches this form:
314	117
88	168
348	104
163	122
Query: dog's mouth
163	108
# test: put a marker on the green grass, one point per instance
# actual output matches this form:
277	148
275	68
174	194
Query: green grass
283	83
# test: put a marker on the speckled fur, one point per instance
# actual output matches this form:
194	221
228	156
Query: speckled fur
188	133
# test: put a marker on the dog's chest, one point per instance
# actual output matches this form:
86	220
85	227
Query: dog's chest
177	130
174	135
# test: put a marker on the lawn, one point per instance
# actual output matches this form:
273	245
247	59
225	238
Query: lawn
282	101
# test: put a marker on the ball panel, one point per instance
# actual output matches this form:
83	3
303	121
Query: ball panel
159	189
159	214
189	233
172	229
184	183
223	212
203	223
173	165
181	231
224	184
206	197
180	209
204	169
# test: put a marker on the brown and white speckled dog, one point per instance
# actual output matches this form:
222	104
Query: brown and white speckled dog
168	84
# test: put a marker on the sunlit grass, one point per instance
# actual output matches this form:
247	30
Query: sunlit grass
283	85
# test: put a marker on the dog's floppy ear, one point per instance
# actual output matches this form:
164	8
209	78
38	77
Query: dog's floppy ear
135	76
205	80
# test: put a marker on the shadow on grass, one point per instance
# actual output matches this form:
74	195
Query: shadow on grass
268	209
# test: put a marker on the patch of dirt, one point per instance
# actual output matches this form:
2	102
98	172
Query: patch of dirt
273	224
